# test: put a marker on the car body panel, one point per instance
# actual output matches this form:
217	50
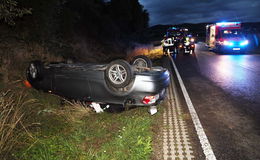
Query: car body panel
87	82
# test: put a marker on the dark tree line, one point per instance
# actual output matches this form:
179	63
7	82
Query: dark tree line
9	11
64	18
59	25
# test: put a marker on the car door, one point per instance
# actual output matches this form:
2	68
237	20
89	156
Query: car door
72	84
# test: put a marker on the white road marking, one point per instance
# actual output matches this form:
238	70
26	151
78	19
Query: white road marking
209	154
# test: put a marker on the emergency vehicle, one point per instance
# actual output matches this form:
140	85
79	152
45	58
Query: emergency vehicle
226	36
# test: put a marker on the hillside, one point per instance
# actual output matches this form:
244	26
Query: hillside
156	32
36	125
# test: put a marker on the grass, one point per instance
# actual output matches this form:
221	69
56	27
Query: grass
12	117
71	131
128	138
147	50
43	128
97	136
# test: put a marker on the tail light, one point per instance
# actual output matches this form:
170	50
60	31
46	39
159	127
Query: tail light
150	99
27	84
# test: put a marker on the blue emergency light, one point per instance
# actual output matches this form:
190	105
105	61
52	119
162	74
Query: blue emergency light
244	43
232	43
225	24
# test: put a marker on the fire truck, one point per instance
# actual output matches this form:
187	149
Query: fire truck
226	37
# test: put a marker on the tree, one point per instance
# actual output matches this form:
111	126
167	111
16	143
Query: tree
9	10
129	15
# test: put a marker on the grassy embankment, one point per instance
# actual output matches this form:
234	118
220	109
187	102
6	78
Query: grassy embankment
36	125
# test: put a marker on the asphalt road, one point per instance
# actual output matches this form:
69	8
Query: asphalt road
225	91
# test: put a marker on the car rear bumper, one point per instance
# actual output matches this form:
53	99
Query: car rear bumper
154	84
138	99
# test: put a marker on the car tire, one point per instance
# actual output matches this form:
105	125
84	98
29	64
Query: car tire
118	74
35	71
141	61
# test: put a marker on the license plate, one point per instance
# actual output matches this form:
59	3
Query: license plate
236	49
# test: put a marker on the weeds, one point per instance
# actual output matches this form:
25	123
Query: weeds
74	111
11	120
49	130
92	136
15	55
147	50
59	135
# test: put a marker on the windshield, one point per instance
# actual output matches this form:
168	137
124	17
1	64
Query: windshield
173	33
231	33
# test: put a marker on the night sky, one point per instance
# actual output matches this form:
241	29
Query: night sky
198	11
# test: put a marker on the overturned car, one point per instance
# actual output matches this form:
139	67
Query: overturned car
118	82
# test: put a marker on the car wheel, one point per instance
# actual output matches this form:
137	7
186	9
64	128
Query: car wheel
34	71
141	62
118	74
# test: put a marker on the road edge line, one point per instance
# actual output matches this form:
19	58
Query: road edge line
207	149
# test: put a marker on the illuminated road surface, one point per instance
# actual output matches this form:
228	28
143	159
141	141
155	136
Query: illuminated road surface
225	91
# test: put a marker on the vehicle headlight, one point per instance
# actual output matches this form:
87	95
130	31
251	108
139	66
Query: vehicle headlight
192	39
227	43
244	43
187	43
